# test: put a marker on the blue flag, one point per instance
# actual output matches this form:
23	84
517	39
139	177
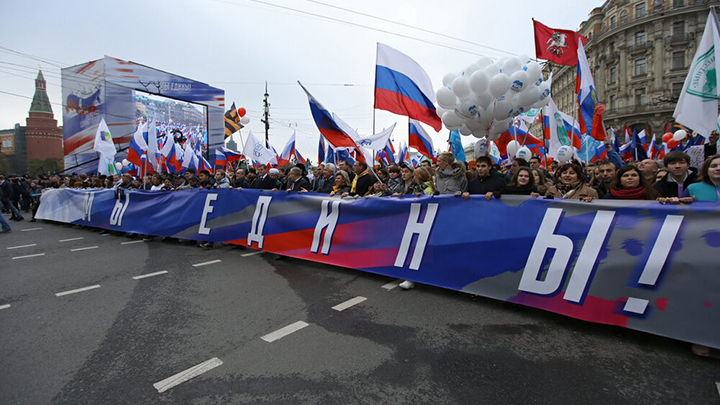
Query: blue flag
456	146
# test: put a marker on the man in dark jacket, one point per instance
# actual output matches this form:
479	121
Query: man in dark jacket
240	180
296	181
363	180
6	196
263	180
680	175
486	180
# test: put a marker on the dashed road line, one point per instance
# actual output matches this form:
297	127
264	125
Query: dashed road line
186	375
391	285
349	303
6	306
717	384
21	246
206	263
252	254
28	256
157	273
282	332
30	229
71	239
132	241
84	248
92	287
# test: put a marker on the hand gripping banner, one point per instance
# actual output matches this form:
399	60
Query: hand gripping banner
639	265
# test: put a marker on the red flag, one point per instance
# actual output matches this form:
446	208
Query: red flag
598	131
558	46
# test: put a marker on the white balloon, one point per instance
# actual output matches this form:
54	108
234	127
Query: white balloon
451	120
565	154
501	126
518	81
523	59
511	65
529	96
502	109
245	120
446	98
485	99
440	111
478	134
491	70
523	153
472	68
473	125
464	130
118	165
494	136
679	135
448	79
544	98
483	62
480	147
461	86
512	147
125	162
468	107
479	82
534	72
499	84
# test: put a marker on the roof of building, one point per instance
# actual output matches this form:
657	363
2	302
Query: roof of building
40	102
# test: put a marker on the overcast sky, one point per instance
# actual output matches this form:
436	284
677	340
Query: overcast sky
237	45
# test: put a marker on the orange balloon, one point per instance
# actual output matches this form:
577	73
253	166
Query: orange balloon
667	136
242	112
671	144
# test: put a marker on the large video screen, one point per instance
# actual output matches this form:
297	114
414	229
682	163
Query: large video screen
184	121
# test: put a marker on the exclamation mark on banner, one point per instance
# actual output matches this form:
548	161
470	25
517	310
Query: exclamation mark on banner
656	261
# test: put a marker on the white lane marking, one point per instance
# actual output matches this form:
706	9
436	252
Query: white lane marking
186	375
282	332
347	304
252	254
206	263
131	242
391	285
6	306
30	229
84	248
104	234
92	287
717	384
25	257
22	246
157	273
71	239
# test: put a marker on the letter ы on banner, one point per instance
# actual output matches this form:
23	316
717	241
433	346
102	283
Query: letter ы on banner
421	229
328	222
563	246
118	212
258	221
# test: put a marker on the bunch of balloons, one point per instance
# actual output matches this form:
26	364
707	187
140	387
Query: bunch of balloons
483	98
243	119
673	140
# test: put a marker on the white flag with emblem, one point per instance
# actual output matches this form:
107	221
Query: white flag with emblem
106	148
697	107
256	150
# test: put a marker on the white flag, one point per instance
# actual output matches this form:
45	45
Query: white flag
256	150
152	145
106	148
697	107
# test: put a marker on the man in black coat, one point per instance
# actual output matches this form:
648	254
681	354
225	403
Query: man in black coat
296	181
6	197
486	181
263	180
680	175
363	180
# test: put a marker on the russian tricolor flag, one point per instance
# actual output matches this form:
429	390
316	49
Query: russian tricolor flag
329	129
626	151
420	140
586	95
289	151
138	145
403	87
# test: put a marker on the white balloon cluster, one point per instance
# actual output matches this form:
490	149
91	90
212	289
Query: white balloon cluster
484	97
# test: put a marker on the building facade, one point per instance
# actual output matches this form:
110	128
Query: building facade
639	52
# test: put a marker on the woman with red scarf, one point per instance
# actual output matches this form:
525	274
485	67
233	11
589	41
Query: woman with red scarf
629	184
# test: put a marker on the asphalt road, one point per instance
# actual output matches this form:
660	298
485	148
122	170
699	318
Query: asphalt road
120	343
